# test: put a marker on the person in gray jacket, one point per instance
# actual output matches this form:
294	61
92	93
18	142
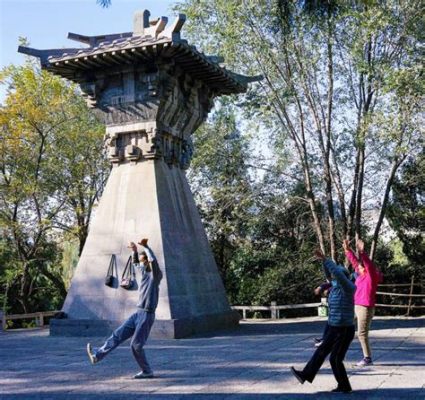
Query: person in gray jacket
340	332
139	324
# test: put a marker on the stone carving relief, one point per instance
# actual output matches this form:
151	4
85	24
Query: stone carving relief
159	95
186	153
138	146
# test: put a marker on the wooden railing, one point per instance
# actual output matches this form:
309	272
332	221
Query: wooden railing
37	316
274	309
411	296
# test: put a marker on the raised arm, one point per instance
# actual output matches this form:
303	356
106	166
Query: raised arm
336	271
349	253
147	250
134	253
156	271
149	254
327	274
320	257
367	263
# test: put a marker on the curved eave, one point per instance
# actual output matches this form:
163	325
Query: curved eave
75	67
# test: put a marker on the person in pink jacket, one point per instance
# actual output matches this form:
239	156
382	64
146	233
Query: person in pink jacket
367	279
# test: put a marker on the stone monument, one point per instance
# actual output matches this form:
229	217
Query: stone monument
152	90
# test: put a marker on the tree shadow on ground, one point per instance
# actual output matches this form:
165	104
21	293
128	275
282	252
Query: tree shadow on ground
247	328
41	367
378	394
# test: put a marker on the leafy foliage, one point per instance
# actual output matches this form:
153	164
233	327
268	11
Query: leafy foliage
407	212
339	111
338	114
52	172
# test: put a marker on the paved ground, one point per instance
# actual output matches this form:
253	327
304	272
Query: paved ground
249	363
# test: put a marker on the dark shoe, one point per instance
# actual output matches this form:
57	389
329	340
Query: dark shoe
317	341
298	375
341	390
92	357
143	375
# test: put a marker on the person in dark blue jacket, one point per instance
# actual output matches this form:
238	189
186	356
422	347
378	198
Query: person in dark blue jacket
340	332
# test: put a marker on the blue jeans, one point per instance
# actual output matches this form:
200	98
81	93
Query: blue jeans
137	326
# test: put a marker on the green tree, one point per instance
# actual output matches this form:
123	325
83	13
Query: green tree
406	212
220	180
257	227
328	98
51	173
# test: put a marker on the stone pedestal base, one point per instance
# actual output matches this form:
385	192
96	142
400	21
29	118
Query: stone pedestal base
150	200
162	329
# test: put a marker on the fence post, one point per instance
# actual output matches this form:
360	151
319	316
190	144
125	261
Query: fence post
244	313
3	320
273	310
40	320
409	306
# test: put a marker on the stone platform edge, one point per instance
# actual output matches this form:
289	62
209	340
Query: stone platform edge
162	329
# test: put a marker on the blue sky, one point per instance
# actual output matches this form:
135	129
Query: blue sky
46	23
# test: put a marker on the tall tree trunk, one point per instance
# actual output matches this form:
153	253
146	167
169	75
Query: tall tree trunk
359	203
336	176
396	163
327	168
24	288
313	208
398	159
57	281
299	141
366	93
305	160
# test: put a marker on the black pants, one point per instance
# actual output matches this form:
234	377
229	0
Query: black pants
336	342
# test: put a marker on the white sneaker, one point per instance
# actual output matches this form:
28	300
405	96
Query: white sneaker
143	375
92	357
365	362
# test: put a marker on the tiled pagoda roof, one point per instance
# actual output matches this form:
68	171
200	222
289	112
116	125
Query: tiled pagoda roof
149	42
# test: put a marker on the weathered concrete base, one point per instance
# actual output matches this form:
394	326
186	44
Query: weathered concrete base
152	200
162	329
180	328
80	327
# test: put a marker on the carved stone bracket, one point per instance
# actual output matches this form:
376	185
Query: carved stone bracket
150	113
140	145
149	87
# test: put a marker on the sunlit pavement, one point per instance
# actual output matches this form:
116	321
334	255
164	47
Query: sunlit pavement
251	362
